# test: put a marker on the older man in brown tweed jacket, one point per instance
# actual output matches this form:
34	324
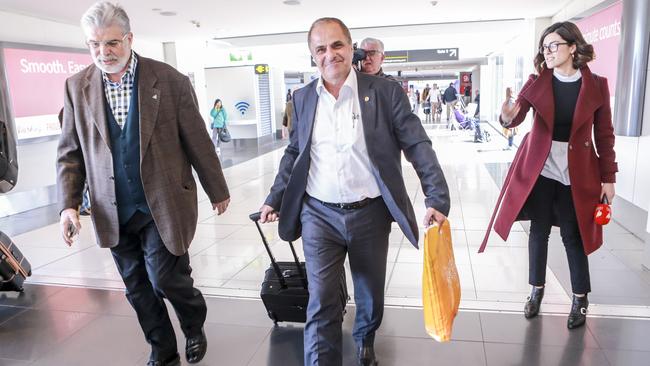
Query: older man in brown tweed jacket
132	128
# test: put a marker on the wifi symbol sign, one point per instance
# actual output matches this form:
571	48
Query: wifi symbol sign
242	107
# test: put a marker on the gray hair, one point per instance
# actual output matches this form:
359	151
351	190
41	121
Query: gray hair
373	40
104	14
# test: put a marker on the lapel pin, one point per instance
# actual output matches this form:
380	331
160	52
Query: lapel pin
155	96
366	99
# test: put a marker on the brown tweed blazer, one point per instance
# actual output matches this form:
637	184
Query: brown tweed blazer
173	139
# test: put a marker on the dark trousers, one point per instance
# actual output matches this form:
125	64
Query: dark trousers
151	273
328	234
551	199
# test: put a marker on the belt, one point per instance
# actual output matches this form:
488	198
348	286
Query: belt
351	205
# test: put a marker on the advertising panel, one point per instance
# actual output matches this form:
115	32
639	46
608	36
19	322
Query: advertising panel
603	31
36	80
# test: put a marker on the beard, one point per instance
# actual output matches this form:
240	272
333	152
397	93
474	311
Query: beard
118	64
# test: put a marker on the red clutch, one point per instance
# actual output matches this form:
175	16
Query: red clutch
603	212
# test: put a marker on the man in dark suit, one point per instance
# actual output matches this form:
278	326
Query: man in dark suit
132	128
340	185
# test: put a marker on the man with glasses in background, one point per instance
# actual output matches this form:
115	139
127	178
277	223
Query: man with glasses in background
371	64
132	128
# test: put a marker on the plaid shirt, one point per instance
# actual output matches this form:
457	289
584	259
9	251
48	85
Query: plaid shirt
119	94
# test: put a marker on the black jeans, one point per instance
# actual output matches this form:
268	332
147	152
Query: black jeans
151	273
551	200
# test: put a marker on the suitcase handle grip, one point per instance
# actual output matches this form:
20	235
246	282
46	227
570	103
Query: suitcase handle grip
255	217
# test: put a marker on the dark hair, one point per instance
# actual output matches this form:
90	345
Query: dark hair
217	101
572	35
344	28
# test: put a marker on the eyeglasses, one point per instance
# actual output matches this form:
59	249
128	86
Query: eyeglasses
372	53
551	47
113	43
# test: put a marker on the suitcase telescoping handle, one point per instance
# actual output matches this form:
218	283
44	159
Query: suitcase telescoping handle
255	217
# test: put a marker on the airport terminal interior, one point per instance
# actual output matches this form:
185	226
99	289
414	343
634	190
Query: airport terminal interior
73	311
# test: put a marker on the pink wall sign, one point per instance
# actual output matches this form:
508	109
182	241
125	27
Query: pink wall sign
603	31
36	80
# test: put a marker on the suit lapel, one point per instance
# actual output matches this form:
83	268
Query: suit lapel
367	105
540	96
93	93
308	115
148	101
589	100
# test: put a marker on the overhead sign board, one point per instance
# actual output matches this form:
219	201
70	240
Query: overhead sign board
434	54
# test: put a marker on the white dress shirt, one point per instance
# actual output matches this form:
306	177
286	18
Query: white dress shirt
340	170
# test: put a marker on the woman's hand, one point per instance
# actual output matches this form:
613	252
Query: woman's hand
607	190
509	113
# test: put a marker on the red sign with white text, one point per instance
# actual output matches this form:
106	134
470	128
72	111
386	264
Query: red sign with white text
603	31
36	80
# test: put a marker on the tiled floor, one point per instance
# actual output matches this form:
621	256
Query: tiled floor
229	261
57	326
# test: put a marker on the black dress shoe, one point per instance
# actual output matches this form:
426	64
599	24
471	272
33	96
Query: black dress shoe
531	309
578	314
174	360
366	356
195	348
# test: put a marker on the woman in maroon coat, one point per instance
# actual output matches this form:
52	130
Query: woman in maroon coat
560	174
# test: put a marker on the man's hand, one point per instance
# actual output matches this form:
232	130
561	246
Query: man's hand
70	225
221	206
433	215
268	214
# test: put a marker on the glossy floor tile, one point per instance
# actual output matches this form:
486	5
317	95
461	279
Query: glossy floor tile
75	326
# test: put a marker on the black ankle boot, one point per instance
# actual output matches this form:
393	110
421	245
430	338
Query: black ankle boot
534	301
578	314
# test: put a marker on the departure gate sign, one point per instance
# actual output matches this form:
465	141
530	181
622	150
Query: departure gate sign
36	79
434	54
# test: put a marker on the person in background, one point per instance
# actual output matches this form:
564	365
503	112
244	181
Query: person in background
374	49
467	95
450	99
435	103
132	129
477	100
565	166
412	98
344	206
286	118
219	118
510	133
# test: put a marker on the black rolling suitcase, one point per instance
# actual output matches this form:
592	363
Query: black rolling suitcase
284	290
14	267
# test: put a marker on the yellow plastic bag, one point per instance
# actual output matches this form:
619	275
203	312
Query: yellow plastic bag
440	283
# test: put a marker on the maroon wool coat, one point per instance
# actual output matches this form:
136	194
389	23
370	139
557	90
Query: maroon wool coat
591	162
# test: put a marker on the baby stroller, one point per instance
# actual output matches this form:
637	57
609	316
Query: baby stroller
467	121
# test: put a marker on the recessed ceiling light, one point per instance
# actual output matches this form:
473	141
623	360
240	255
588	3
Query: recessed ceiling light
434	3
156	9
168	13
291	2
